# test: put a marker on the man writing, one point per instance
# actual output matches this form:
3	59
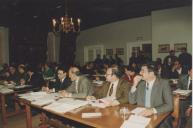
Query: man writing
115	89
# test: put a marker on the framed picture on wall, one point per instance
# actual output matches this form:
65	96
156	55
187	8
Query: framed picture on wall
180	46
120	51
163	48
109	51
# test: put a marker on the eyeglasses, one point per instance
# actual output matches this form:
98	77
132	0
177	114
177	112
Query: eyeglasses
107	74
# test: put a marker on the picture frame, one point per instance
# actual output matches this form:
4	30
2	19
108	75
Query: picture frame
179	46
163	48
120	51
109	51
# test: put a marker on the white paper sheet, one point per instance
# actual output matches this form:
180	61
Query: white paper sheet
135	121
138	110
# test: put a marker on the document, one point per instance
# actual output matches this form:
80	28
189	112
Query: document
138	110
182	92
91	115
135	121
66	105
6	90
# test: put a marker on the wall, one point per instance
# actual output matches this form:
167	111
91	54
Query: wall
4	45
114	35
167	26
171	26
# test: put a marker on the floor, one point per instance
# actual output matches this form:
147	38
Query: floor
18	121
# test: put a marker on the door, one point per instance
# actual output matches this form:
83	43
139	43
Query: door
91	52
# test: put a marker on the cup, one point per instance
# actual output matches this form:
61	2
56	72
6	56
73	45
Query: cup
124	113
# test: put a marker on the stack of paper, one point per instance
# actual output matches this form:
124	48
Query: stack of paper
135	121
5	90
22	86
183	92
138	110
62	107
42	102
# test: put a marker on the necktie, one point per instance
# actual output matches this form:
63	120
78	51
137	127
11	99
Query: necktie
111	90
147	96
190	85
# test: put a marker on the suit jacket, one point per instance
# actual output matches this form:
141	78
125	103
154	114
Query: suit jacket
84	86
62	85
183	82
161	95
121	93
36	80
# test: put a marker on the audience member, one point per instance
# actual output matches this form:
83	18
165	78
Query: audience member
115	90
152	92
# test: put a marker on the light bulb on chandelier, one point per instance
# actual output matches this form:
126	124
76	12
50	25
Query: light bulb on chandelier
65	23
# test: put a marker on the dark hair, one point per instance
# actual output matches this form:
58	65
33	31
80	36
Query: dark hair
151	68
63	68
130	68
117	71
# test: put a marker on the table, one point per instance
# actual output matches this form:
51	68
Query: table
110	116
5	114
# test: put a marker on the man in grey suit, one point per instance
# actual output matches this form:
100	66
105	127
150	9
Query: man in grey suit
80	86
185	83
152	92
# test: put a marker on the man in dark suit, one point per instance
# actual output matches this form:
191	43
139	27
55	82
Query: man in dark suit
177	70
152	92
80	85
185	83
35	79
115	89
62	82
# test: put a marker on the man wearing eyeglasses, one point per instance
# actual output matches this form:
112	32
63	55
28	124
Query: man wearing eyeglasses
115	89
151	92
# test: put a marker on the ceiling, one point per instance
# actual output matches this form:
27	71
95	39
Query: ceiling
92	12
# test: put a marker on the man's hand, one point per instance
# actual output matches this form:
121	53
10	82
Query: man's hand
136	80
147	112
189	111
90	98
64	93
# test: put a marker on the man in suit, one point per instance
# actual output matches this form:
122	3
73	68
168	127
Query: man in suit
63	82
35	79
115	89
185	83
152	92
80	85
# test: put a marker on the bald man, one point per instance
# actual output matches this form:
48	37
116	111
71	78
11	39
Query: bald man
80	86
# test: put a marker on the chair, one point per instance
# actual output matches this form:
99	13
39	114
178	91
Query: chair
176	112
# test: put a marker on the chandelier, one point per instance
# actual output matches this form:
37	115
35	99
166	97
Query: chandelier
65	23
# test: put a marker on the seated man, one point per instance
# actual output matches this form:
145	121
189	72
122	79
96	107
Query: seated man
80	85
35	79
152	92
115	89
63	82
185	83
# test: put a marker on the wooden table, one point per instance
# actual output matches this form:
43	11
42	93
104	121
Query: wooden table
4	113
110	116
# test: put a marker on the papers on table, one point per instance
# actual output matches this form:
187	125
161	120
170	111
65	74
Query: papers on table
182	92
91	115
6	90
135	121
138	110
22	86
65	105
38	96
102	103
